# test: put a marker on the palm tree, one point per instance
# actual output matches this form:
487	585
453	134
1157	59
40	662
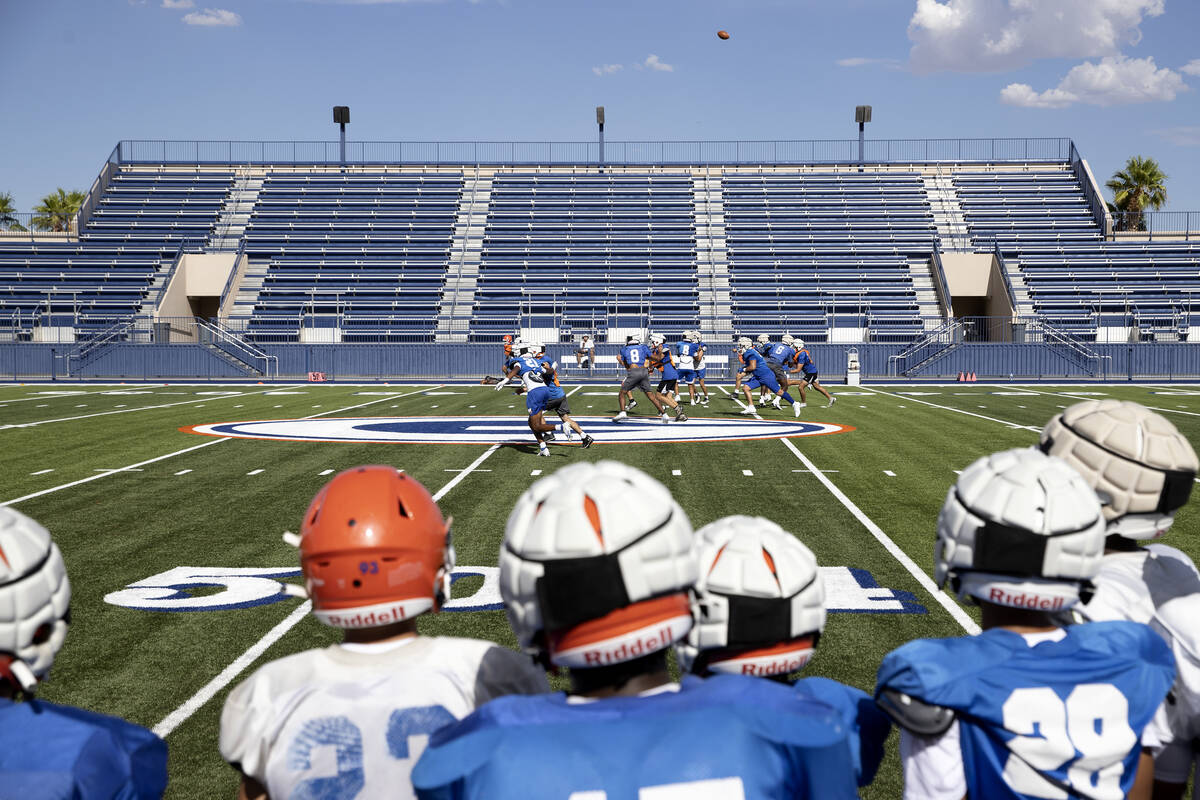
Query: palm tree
8	213
1137	187
57	209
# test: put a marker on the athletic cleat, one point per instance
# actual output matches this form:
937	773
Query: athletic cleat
680	416
544	451
666	418
566	429
832	400
704	402
587	441
804	405
775	404
632	404
796	408
748	410
621	417
548	437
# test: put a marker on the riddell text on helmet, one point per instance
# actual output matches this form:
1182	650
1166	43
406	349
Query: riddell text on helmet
780	666
1023	600
664	638
369	620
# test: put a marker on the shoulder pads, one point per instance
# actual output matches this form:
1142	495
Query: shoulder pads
914	715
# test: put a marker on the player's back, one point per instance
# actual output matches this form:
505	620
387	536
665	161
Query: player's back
359	717
780	353
1158	585
51	751
1036	714
635	355
868	725
728	736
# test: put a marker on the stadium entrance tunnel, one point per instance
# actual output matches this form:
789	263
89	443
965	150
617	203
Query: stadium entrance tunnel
510	430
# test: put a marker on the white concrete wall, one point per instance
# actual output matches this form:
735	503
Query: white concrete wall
967	274
206	273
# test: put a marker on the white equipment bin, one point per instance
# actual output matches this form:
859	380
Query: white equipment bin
853	369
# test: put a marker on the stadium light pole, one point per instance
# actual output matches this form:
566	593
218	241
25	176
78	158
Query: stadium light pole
600	122
341	115
862	115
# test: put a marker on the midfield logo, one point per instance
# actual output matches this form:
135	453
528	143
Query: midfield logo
847	590
505	430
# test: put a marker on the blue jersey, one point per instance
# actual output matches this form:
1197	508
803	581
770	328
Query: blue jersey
54	751
1033	720
666	359
531	369
780	353
636	355
868	725
804	359
760	370
728	736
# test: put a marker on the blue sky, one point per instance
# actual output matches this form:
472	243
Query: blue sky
1120	77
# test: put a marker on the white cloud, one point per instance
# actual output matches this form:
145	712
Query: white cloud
1192	67
652	62
178	4
859	61
608	69
1185	135
997	35
1116	80
213	18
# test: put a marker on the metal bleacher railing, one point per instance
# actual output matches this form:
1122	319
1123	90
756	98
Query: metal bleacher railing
809	151
1166	226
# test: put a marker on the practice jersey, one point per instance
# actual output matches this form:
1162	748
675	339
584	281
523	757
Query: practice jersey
665	359
728	736
685	355
1159	586
636	356
805	361
53	751
700	350
781	353
532	371
868	725
760	369
1036	720
341	718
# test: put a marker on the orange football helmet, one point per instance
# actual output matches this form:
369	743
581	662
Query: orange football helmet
375	549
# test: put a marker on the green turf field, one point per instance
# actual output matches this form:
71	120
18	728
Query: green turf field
128	496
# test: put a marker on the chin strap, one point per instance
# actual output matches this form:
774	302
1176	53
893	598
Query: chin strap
19	674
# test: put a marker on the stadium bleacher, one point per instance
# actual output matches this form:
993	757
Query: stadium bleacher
394	253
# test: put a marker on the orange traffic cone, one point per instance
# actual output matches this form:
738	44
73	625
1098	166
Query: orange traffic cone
961	377
972	379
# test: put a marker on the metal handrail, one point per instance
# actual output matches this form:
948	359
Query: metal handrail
1008	287
218	331
241	252
940	285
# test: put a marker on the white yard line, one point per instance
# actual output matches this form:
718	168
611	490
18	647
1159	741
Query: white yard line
1081	397
1012	425
124	411
64	396
576	389
210	689
176	453
226	676
960	616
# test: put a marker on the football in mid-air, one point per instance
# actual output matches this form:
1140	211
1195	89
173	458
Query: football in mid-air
722	34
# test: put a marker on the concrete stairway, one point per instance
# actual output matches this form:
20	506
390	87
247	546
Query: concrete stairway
712	263
466	253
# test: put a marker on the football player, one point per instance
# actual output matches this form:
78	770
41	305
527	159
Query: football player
595	570
1026	709
805	365
756	373
48	750
759	609
1144	468
635	358
701	367
542	393
663	359
376	553
685	355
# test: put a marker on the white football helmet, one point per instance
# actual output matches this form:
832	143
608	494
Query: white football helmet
798	343
744	342
763	338
35	599
596	565
633	338
759	602
1142	467
657	338
1021	529
695	337
788	339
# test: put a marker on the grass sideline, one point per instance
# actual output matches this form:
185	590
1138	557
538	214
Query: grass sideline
202	508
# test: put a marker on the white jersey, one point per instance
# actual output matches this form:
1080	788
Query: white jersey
1160	587
356	718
